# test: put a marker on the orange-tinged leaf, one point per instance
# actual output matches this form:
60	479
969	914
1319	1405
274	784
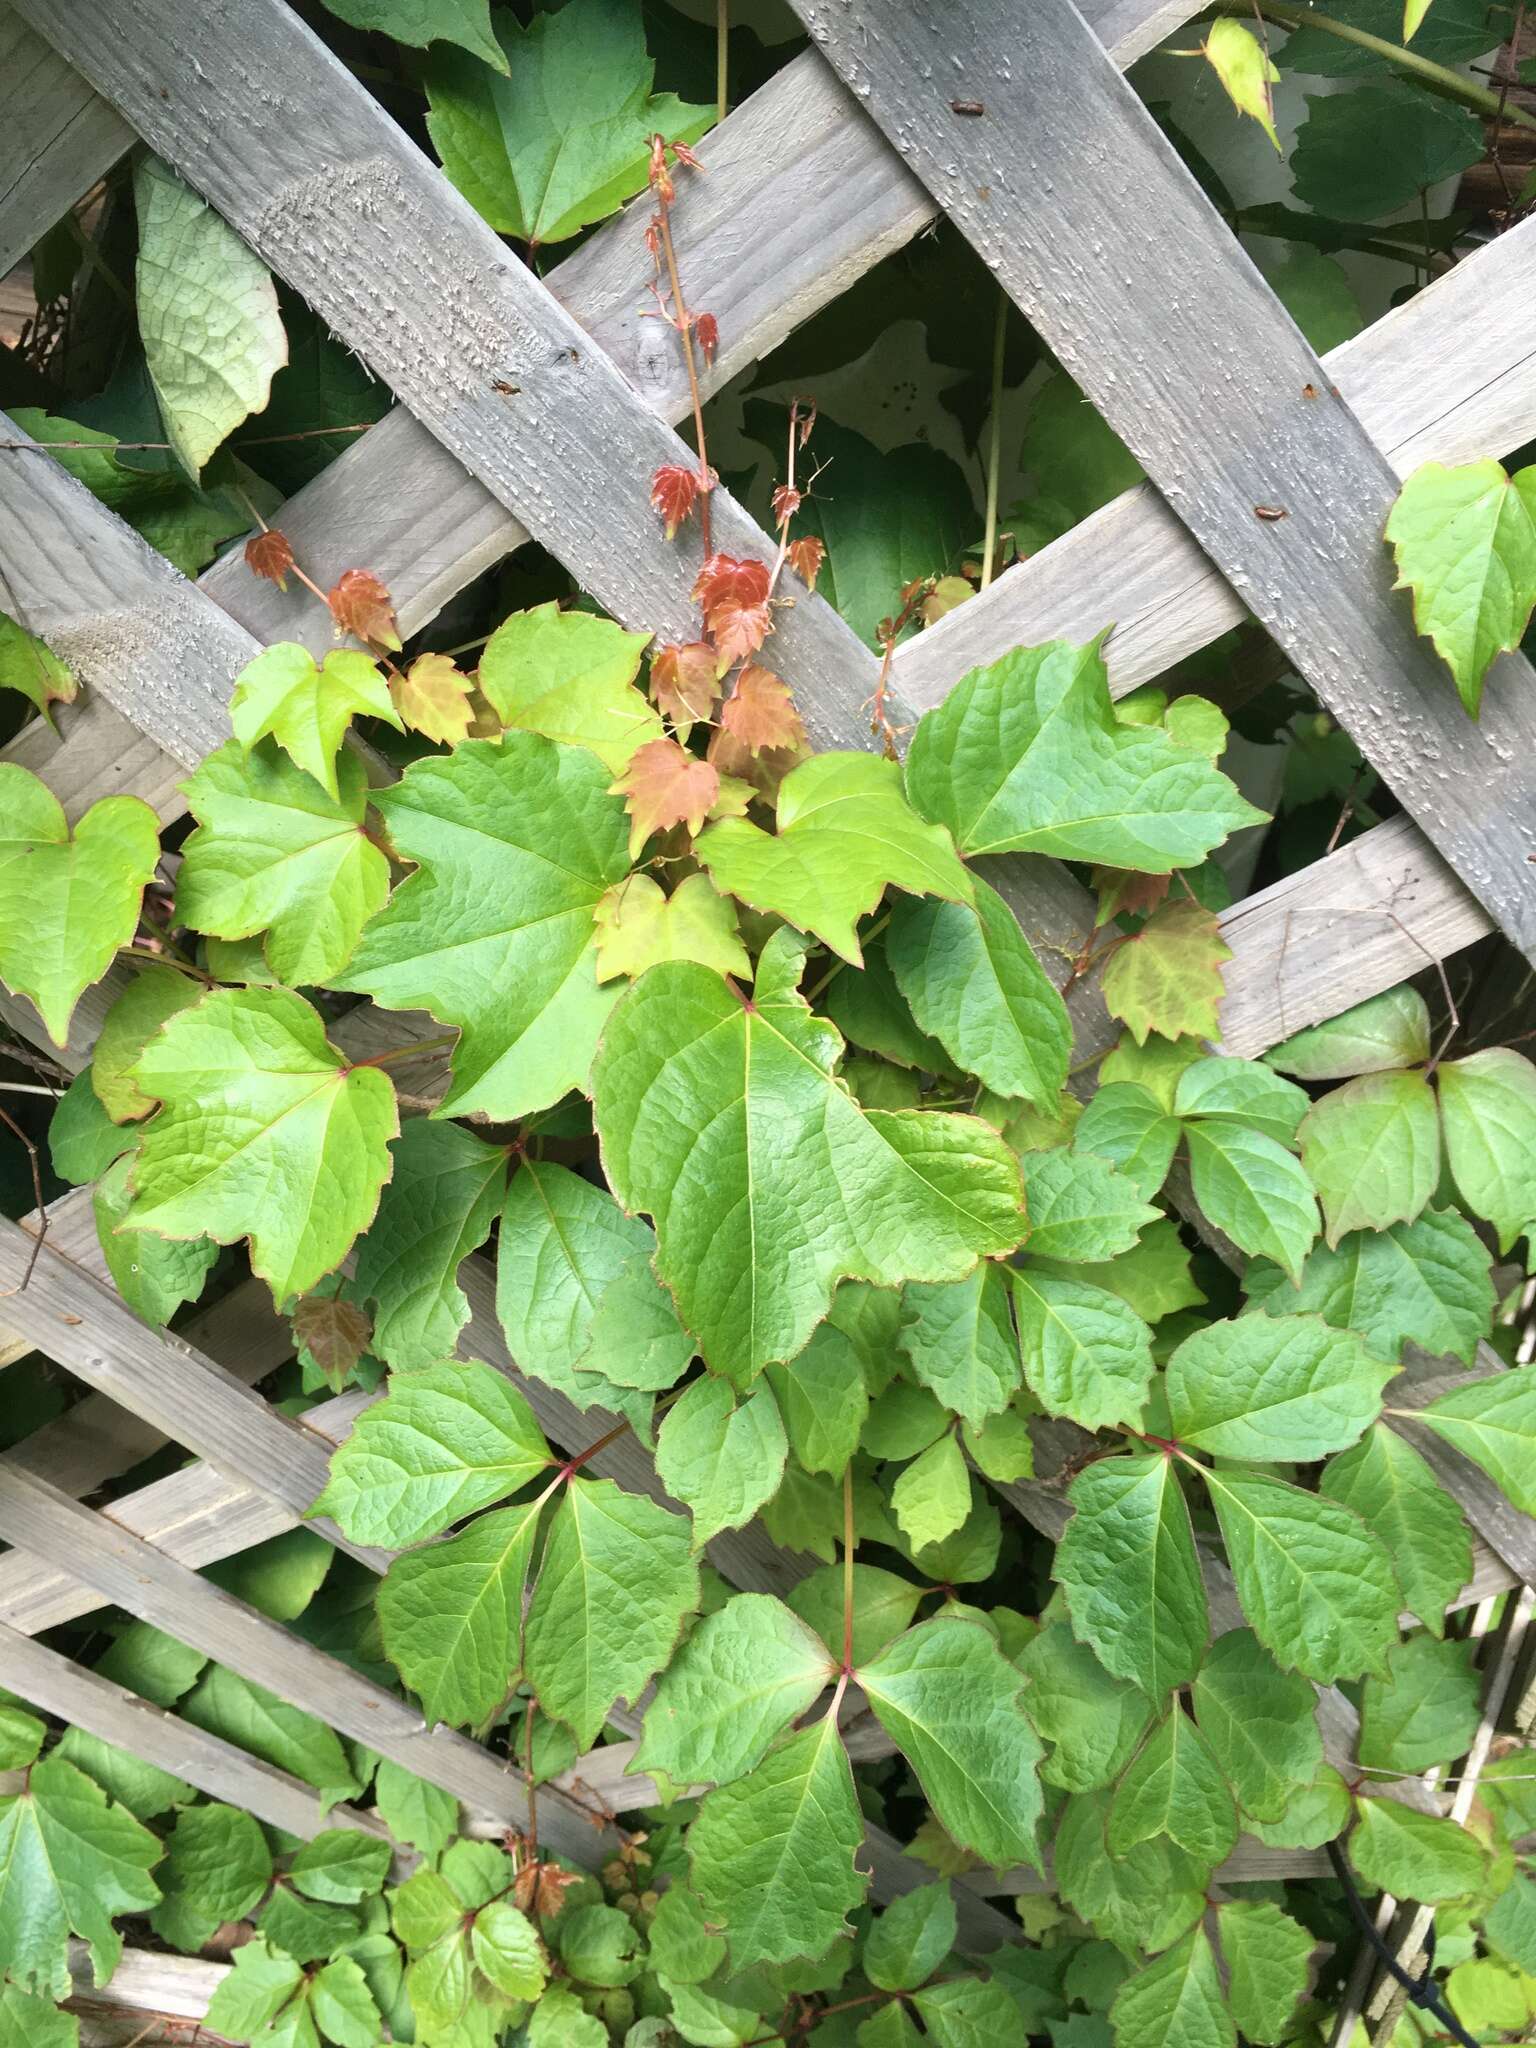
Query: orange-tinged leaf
269	554
734	596
1167	978
360	604
706	330
1123	889
433	697
806	557
541	1888
763	771
786	503
334	1333
674	493
761	712
685	681
665	785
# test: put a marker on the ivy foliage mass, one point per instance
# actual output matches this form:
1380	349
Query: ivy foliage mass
818	1377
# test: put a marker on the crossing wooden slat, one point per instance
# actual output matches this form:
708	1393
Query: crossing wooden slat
56	138
1147	298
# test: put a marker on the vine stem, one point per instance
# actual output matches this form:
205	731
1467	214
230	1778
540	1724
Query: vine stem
684	327
722	46
405	1052
994	438
1437	77
848	1543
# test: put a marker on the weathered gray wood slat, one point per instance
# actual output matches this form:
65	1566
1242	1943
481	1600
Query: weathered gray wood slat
1205	377
52	1682
153	1586
56	138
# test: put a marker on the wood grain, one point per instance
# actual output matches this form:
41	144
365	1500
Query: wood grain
1207	383
56	138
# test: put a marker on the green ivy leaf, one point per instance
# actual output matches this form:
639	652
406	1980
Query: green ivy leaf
154	1275
636	1334
965	2012
1081	1208
949	1700
153	994
1166	978
1389	1485
1093	1721
960	1343
615	1583
771	1856
516	842
1242	1089
1254	1190
1246	71
343	2006
307	707
1488	1110
1125	1125
1155	1278
1270	1389
1260	1723
727	1125
69	1861
1141	1901
422	1815
683	1950
1174	1787
29	2022
507	1950
722	1458
452	1615
1386	1031
252	1718
910	1939
207	312
1128	1568
974	983
21	1737
743	1674
26	664
67	901
1493	1422
420	22
1425	1282
1028	756
1268	1957
297	1155
1465	544
1372	1149
1423	1709
563	139
1362	154
443	1442
883	1606
1414	1855
247	2000
1314	1581
845	834
932	1497
823	1400
217	1861
341	1865
570	676
1175	1999
638	926
439	1206
1086	1354
273	853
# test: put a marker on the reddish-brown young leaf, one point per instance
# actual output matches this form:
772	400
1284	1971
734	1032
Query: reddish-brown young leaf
763	771
334	1333
665	785
761	712
1123	889
734	596
685	155
806	557
786	503
360	604
685	681
540	1889
706	330
433	697
674	493
269	554
657	174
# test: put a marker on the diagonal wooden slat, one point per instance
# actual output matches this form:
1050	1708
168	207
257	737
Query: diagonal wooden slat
1209	382
135	1575
55	142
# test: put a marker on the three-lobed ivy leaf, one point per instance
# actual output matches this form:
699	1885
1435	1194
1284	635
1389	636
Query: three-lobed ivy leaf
451	1615
726	1123
306	707
1423	1709
515	843
638	926
741	1677
1488	1116
275	853
1493	1422
570	676
1028	756
845	834
69	1861
950	1701
442	1443
615	1583
1253	1094
68	900
1273	1389
720	1455
1372	1149
771	1855
1314	1580
1166	978
1127	1565
444	1190
974	983
295	1158
1464	540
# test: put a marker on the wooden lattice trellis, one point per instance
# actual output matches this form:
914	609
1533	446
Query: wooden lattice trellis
525	406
